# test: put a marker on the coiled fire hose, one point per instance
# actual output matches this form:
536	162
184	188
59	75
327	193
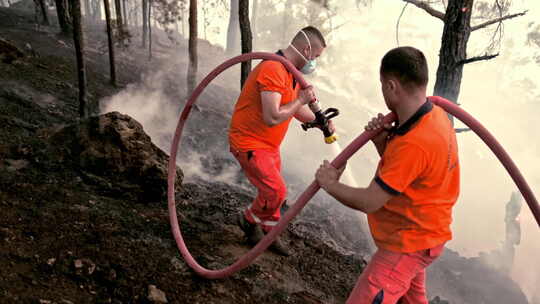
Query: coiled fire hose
338	162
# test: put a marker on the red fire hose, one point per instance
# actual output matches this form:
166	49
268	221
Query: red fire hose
339	161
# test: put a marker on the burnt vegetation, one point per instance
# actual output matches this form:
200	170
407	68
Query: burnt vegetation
82	193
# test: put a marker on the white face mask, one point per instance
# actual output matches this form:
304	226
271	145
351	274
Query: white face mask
311	64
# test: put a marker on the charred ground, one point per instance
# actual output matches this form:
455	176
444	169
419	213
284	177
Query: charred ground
81	224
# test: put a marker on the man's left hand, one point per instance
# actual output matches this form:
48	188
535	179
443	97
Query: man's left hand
331	127
327	175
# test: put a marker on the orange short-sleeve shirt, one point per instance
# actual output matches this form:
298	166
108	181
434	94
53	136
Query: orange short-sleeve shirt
420	167
247	129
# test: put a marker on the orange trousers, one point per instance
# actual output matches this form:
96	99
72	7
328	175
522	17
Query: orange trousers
392	276
263	170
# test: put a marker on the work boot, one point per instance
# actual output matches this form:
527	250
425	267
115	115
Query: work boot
256	235
253	232
279	247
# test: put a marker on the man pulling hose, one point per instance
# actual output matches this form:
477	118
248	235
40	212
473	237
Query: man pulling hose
409	202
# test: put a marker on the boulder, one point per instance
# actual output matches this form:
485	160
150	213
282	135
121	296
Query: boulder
113	149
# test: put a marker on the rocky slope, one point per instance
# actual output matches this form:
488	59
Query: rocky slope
84	219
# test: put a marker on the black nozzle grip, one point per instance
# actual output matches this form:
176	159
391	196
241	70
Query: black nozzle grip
331	113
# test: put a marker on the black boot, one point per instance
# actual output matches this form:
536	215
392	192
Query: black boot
253	232
279	247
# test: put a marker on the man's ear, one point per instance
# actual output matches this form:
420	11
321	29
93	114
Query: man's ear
305	51
392	84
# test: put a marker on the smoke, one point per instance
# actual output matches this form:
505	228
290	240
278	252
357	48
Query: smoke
503	94
156	102
149	105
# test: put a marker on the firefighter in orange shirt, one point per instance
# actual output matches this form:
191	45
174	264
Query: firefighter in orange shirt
409	202
270	98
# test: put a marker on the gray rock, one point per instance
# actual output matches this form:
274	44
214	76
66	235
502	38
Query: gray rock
155	295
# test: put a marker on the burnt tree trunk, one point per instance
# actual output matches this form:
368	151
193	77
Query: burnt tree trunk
112	61
149	30
135	20
183	24
144	21
124	11
43	7
97	10
78	40
118	10
87	8
455	37
233	29
456	33
192	46
253	22
64	18
245	31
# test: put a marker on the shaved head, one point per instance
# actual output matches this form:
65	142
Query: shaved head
315	37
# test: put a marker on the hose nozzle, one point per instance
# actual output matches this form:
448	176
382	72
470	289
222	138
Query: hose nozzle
330	139
321	121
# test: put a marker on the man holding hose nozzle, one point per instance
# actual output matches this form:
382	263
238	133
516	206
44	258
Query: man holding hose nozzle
269	100
409	202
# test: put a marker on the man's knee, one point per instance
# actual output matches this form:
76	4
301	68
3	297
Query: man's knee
274	195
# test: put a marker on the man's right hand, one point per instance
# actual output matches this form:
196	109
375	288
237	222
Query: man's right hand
375	124
306	95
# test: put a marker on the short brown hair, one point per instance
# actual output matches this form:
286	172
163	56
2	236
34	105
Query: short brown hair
312	32
407	64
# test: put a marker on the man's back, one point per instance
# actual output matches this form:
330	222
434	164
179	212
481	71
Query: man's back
420	165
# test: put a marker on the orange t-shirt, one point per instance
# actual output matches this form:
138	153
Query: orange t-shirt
420	167
248	130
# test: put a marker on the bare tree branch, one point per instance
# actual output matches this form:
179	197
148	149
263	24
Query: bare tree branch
496	20
426	7
477	58
443	4
338	26
397	24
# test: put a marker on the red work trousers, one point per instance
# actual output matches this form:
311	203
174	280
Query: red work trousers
263	170
391	276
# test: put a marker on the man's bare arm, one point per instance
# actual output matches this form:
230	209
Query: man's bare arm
274	113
